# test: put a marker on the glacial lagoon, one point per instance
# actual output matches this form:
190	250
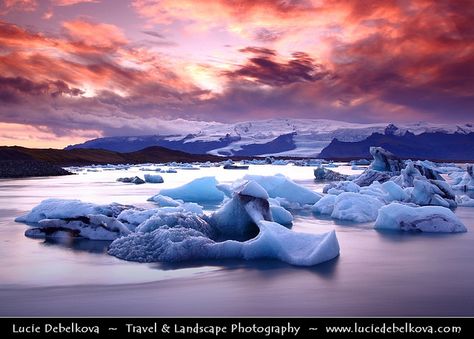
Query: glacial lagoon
377	273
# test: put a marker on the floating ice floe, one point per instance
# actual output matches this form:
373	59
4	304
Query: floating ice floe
465	201
467	181
356	207
325	174
153	178
199	190
290	194
133	180
68	208
60	218
396	216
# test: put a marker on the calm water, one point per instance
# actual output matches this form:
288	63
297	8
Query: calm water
376	274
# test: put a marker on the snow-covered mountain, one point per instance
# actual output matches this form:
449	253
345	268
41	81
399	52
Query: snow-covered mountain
282	137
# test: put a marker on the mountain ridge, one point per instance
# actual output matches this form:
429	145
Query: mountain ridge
273	137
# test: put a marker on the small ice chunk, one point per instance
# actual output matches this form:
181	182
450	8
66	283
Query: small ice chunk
325	205
163	201
396	216
154	178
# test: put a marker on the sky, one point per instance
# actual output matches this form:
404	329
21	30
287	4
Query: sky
72	70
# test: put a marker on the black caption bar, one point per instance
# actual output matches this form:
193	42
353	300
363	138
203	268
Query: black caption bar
236	327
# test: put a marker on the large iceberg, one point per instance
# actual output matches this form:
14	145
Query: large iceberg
396	216
199	190
178	237
289	192
273	241
249	207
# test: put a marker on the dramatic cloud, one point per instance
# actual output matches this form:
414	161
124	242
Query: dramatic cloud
263	68
124	71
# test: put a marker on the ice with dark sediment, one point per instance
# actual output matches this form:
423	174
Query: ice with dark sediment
402	217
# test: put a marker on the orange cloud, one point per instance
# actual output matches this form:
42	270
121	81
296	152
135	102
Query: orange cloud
99	35
72	2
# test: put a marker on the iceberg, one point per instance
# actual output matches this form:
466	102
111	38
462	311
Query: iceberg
467	181
465	201
279	186
384	161
324	174
396	216
134	180
432	192
274	241
199	190
153	178
356	207
69	209
384	166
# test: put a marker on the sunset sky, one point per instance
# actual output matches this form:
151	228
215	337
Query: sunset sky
72	70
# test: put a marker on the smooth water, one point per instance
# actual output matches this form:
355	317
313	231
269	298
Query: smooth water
377	273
